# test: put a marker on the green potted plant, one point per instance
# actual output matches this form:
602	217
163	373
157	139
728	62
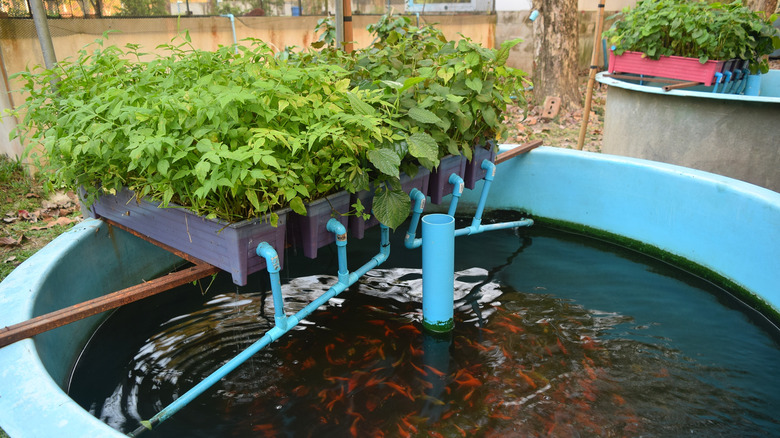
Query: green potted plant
689	40
456	103
244	135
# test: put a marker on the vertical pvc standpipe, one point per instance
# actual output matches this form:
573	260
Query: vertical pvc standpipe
438	279
233	27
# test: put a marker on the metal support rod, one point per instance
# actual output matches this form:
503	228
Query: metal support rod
44	37
49	321
638	78
284	323
682	85
592	76
339	23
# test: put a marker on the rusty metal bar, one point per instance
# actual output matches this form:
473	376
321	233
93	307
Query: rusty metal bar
58	318
523	148
644	79
681	85
170	249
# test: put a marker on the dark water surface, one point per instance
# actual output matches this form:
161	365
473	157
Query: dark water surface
556	335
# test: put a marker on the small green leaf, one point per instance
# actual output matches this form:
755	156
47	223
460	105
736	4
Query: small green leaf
423	115
297	206
385	160
252	197
393	84
411	82
145	423
391	207
162	167
422	145
489	115
474	84
359	106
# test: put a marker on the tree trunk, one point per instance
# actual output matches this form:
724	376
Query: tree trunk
555	52
767	6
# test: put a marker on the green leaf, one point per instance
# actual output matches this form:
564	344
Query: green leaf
422	145
391	207
423	115
385	160
489	115
410	83
393	84
359	106
474	84
252	197
503	53
270	160
162	167
297	206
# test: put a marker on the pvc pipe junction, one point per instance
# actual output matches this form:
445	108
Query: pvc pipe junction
438	248
282	322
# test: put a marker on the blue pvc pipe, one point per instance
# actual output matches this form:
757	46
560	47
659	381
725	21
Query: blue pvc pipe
233	26
418	205
282	322
457	190
438	279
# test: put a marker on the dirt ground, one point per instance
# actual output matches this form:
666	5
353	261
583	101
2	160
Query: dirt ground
563	130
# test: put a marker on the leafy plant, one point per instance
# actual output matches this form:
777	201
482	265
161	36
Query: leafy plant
229	136
237	134
695	29
143	8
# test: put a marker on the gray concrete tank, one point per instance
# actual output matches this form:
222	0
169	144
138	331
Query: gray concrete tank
729	134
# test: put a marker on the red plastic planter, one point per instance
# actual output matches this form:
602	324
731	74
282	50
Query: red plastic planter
309	232
673	67
357	225
228	246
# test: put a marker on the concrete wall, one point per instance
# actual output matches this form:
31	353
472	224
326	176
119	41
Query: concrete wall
9	147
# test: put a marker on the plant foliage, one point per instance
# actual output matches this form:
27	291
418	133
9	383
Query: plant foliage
695	29
240	133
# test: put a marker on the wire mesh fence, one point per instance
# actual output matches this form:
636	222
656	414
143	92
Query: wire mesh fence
159	8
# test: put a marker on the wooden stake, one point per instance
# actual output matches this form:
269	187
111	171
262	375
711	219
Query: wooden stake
592	76
348	36
523	148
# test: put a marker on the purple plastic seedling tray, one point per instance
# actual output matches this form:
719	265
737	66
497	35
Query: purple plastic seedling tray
228	246
439	185
474	171
309	232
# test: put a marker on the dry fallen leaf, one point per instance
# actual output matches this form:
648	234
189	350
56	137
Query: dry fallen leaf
10	241
58	221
